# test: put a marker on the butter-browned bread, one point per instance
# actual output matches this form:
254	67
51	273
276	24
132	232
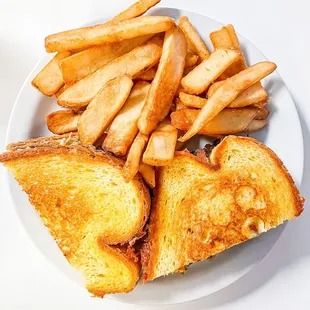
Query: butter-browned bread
203	207
89	209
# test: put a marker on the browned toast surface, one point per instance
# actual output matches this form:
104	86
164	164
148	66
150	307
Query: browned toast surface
82	198
203	207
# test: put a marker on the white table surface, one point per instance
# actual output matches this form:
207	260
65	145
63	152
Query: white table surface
280	28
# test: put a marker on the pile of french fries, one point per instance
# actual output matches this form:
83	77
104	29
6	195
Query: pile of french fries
136	84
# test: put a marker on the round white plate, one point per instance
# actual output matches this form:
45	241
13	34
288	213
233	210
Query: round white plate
283	135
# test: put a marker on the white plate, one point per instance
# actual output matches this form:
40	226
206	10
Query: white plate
283	135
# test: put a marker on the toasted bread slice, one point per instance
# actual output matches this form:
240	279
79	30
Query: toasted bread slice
87	206
203	207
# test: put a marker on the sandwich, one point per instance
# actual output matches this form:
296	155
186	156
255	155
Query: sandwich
204	205
91	212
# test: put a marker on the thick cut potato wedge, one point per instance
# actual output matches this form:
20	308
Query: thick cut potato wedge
253	95
262	114
260	104
61	90
148	75
166	81
195	43
81	64
124	127
132	164
103	108
256	125
49	80
179	105
61	122
135	10
148	174
191	59
192	100
161	146
228	92
213	87
201	77
132	64
86	37
228	121
227	38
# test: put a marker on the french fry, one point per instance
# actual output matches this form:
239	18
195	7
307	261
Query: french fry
124	127
61	122
179	105
228	121
213	87
253	95
199	79
86	37
180	145
131	166
256	125
227	38
191	59
260	104
103	108
49	80
192	100
228	92
135	10
161	146
262	114
148	75
81	64
166	81
133	64
61	90
192	37
148	174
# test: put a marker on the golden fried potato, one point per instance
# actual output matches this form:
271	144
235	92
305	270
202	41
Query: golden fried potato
227	38
61	90
228	121
161	146
256	125
262	114
253	95
61	122
192	100
179	105
103	108
148	174
148	75
191	59
166	81
228	92
132	163
124	127
195	43
135	10
81	64
49	80
86	37
133	64
201	77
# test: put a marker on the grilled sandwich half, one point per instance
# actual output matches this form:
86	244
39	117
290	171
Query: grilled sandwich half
82	198
205	206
